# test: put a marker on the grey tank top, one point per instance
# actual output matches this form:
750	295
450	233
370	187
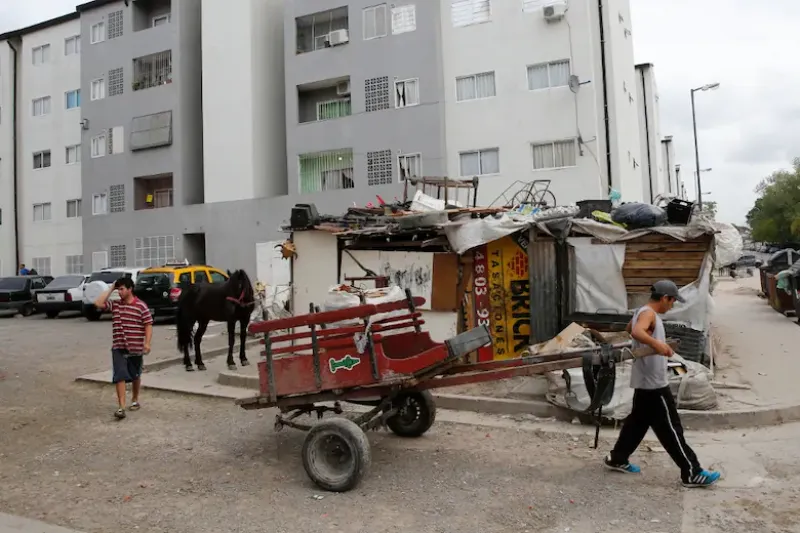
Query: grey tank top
650	372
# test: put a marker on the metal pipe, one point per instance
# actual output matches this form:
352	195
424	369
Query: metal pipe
605	94
14	157
696	153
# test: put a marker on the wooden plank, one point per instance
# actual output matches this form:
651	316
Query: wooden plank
658	238
666	248
444	283
629	282
665	256
667	273
663	263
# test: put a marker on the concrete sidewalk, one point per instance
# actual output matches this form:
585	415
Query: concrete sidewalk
17	524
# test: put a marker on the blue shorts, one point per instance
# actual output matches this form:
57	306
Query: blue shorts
125	367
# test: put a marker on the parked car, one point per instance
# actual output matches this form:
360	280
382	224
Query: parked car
65	293
160	287
17	293
98	283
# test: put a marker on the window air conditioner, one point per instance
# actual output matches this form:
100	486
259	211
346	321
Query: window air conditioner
338	37
343	88
555	11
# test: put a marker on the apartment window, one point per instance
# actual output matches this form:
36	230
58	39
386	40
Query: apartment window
547	75
161	20
118	254
72	99
116	197
41	265
99	204
74	264
99	260
115	82
534	6
379	167
406	93
41	159
40	54
556	154
333	109
375	22
325	171
98	33
74	208
152	70
41	106
115	140
409	166
99	145
115	24
42	212
72	45
475	86
73	154
404	19
151	131
468	12
154	251
376	91
480	162
162	198
98	89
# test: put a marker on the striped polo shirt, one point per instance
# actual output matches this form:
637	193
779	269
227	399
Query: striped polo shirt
128	323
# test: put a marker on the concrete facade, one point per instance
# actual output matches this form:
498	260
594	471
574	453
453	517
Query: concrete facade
142	136
40	118
656	179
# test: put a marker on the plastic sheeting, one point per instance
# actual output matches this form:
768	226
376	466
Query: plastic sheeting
699	304
600	286
727	243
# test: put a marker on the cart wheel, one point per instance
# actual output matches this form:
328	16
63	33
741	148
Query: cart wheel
416	414
336	454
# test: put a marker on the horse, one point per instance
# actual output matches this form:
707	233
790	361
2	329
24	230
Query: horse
230	302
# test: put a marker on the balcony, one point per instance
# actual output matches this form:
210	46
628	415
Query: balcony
152	192
151	13
323	100
326	171
322	30
152	70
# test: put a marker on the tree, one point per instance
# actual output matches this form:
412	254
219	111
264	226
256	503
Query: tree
775	216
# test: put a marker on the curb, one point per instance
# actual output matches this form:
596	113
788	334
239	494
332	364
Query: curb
695	420
161	364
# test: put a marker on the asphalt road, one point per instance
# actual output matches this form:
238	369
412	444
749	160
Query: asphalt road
186	464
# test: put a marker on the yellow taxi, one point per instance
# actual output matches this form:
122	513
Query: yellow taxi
160	287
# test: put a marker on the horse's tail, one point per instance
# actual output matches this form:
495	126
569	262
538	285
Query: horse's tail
184	327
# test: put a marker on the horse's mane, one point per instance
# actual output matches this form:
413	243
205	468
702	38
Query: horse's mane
247	285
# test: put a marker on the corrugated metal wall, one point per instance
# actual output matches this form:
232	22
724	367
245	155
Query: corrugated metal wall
545	301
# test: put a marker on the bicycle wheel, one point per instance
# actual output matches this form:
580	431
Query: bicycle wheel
544	198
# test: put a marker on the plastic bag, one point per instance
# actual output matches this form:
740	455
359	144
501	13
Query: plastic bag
345	296
637	215
727	244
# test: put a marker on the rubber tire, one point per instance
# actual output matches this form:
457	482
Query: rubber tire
425	418
26	310
91	314
356	441
51	314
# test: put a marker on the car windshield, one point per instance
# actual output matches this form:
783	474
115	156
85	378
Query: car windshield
12	284
106	276
65	282
153	280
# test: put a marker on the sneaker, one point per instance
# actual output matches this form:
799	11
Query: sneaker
627	468
119	414
702	479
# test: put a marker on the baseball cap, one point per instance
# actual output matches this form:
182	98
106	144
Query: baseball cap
667	287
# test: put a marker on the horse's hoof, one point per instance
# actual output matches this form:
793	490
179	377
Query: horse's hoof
245	363
201	367
189	368
231	367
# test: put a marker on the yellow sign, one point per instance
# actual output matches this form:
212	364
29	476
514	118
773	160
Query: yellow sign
509	295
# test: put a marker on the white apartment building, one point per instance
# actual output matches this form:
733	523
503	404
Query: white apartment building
40	141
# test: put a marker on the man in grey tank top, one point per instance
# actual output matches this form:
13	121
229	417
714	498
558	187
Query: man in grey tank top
653	404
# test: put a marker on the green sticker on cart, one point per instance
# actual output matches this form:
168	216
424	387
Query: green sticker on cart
348	362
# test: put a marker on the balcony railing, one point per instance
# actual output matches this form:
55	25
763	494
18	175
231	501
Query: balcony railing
152	70
326	171
333	109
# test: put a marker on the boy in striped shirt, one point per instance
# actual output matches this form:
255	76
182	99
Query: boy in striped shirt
132	331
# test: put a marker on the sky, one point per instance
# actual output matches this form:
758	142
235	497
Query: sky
747	129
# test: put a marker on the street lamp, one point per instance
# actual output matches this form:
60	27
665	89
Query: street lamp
708	87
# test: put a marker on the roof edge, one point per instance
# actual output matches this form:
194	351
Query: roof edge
93	4
40	26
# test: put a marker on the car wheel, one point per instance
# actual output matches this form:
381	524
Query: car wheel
27	310
51	314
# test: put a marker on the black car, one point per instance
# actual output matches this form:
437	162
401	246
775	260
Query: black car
160	291
17	293
62	294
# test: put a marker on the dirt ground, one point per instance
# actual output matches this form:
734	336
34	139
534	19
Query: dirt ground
187	464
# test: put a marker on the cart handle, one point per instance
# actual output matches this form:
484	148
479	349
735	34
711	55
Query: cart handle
326	317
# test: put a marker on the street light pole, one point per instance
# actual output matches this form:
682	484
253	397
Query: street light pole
710	86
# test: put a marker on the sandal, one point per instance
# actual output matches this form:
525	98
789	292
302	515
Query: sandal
134	406
120	414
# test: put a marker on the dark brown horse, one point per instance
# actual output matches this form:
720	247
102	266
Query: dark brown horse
229	302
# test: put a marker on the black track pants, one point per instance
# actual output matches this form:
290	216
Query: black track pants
655	409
